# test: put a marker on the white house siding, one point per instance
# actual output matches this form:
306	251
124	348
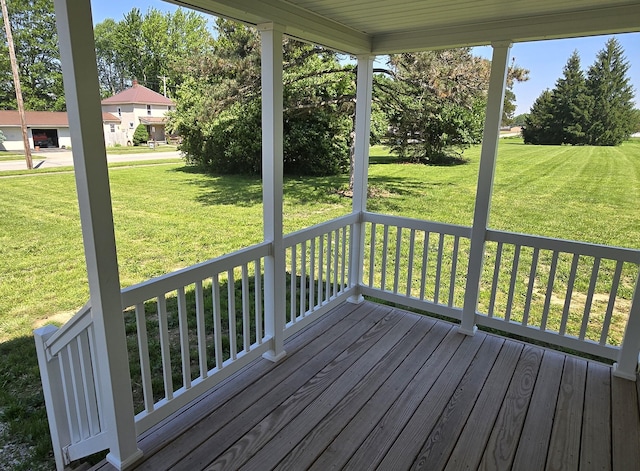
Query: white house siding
13	139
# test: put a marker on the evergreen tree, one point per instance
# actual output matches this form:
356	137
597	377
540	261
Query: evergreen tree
540	125
611	114
571	104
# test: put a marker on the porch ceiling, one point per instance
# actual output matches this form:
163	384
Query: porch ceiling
383	26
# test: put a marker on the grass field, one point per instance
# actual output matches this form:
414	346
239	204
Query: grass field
169	216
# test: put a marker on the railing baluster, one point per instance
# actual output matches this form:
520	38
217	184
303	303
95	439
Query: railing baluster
73	350
454	267
327	289
258	298
145	364
86	372
512	284
336	253
293	283
246	309
412	237
303	278
217	320
184	338
569	295
425	260
532	279
372	254
436	292
550	283
231	313
396	270
165	352
385	244
613	294
589	300
344	258
320	270
201	331
312	275
66	373
496	279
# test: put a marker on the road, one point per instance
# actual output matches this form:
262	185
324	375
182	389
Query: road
60	158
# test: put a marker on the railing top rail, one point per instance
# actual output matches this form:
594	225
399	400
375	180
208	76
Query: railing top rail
418	224
319	229
61	338
171	281
568	246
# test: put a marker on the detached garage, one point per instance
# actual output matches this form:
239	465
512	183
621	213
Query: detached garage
45	129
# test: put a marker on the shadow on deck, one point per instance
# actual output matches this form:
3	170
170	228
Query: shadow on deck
373	387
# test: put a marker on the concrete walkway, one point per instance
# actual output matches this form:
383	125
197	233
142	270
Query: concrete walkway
61	158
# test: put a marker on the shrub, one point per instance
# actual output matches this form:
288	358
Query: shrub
140	136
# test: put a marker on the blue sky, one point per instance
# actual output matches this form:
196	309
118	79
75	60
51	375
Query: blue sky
544	59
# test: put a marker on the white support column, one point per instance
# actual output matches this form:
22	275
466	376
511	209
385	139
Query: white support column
627	365
272	170
490	138
364	88
77	51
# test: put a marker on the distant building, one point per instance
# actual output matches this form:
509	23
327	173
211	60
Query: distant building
121	114
134	106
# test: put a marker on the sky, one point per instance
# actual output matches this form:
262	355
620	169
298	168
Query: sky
544	59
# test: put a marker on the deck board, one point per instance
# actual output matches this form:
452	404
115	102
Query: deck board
374	387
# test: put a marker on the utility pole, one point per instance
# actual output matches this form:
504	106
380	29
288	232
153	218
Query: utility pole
16	83
164	81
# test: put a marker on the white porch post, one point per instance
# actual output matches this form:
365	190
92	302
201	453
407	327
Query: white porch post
272	170
627	365
364	88
490	137
77	51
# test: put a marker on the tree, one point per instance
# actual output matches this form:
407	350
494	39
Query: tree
147	47
540	126
435	108
38	57
571	104
611	114
515	74
140	135
218	110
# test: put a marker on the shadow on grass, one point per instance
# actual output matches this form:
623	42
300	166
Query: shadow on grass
22	406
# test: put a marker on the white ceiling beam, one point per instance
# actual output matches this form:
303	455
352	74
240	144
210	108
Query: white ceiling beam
607	20
298	22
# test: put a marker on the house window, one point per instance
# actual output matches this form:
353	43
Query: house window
148	110
169	108
119	111
112	127
130	124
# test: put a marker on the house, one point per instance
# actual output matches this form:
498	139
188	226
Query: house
45	129
134	106
310	372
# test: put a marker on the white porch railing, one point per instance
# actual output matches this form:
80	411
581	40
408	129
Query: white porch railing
570	294
186	332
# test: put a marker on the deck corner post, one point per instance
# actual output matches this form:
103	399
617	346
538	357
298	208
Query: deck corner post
364	88
272	193
490	138
77	53
629	356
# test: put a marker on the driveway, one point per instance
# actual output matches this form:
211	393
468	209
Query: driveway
61	158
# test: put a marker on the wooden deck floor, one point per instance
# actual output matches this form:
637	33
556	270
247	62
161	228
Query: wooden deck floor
372	387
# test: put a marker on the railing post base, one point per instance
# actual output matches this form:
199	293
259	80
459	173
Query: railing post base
356	299
470	332
273	357
619	373
126	463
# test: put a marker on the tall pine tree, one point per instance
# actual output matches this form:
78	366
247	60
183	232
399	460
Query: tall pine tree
540	126
611	114
571	104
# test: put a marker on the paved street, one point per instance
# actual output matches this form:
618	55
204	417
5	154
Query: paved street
61	158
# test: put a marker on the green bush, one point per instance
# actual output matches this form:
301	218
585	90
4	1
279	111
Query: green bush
140	136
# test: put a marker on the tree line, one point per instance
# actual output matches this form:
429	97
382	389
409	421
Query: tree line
427	106
596	109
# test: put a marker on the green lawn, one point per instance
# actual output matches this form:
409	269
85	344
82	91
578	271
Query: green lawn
169	216
141	149
7	156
